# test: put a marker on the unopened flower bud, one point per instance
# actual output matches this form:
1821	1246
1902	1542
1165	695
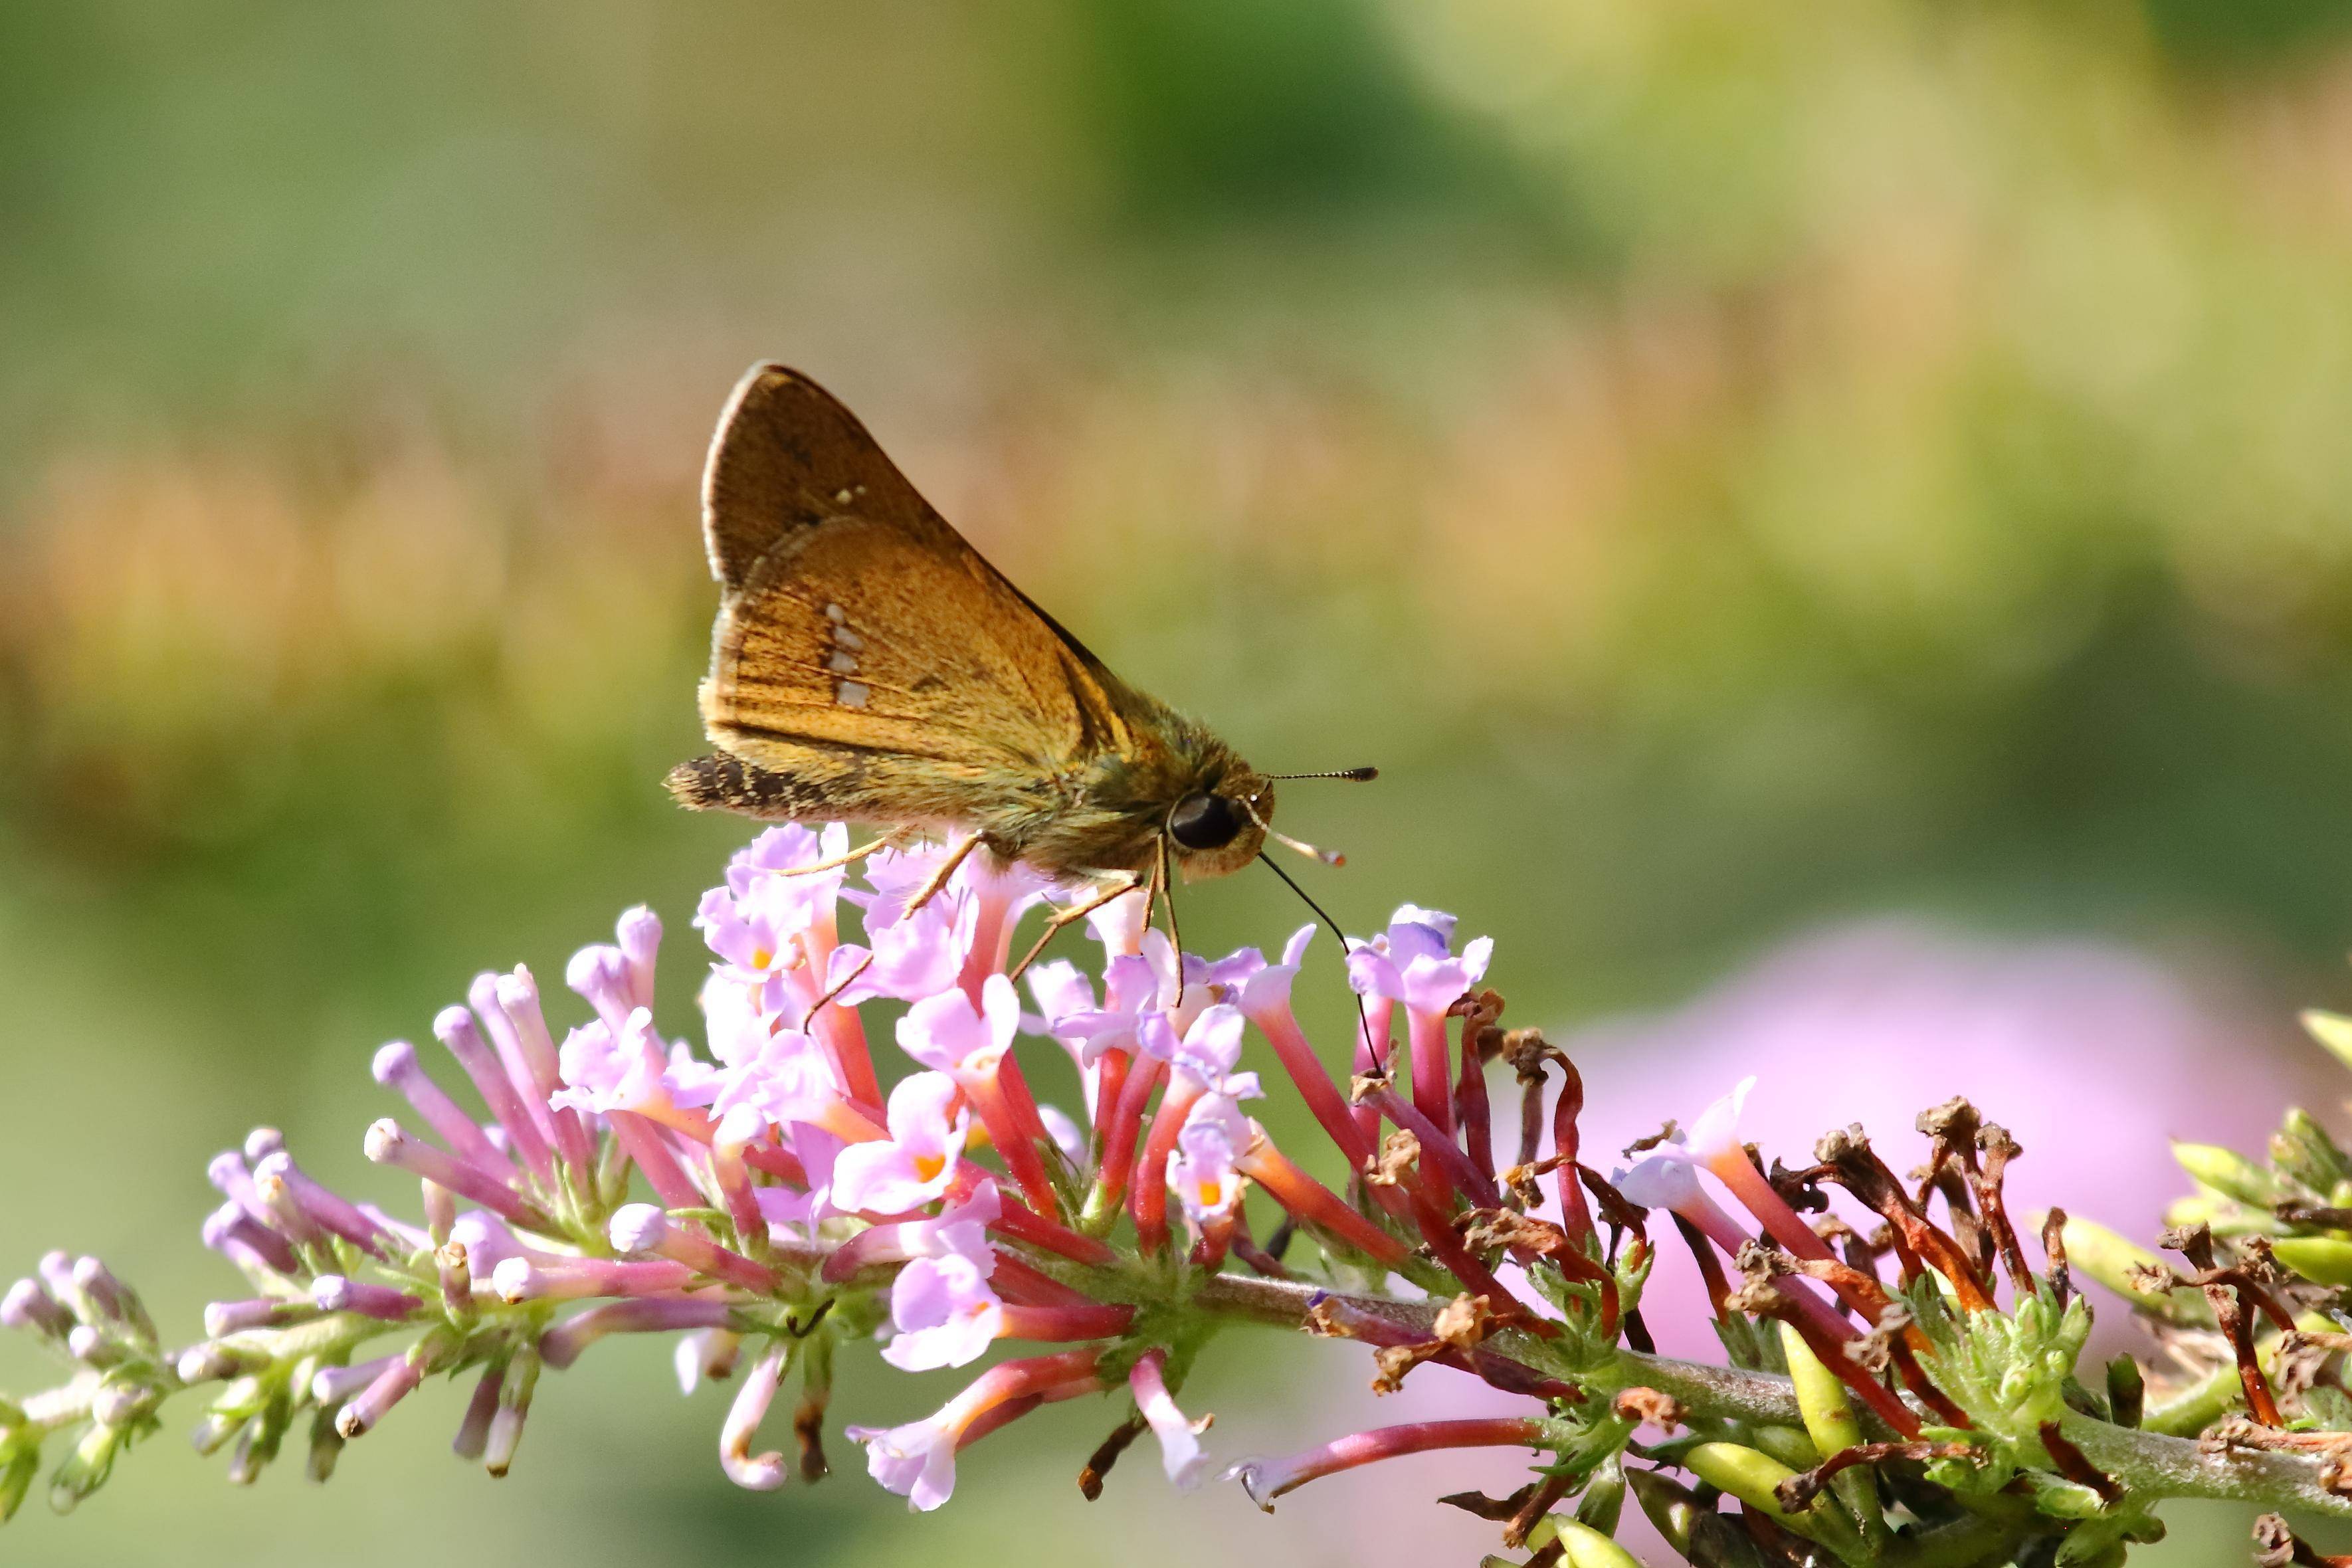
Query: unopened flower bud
1671	1507
1821	1397
112	1298
27	1306
2228	1173
258	1444
474	1431
440	1210
1589	1548
209	1362
212	1429
20	1463
2126	1391
2332	1031
514	1404
241	1396
85	1469
2303	1151
325	1446
223	1317
340	1293
2322	1259
2060	1498
123	1405
1747	1474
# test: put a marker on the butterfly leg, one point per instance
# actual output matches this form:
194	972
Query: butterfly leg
837	862
1061	918
847	981
938	878
1165	881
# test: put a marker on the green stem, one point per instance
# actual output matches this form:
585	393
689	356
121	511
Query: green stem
2157	1464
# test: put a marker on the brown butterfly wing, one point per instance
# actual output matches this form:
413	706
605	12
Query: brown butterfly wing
866	657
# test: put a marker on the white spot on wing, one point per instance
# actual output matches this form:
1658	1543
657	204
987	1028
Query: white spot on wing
841	497
835	614
842	663
844	638
851	693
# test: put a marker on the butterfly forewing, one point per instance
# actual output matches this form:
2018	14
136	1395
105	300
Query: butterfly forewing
857	627
868	664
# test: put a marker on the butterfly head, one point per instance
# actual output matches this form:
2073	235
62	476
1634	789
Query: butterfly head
1219	826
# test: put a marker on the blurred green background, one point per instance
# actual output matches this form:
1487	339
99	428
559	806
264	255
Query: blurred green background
1731	466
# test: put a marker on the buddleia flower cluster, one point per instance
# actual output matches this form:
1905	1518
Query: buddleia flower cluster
851	1158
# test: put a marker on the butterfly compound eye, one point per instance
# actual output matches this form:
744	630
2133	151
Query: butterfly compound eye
1204	822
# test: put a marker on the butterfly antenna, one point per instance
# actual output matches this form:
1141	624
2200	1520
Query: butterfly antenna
1329	856
1353	775
1363	1020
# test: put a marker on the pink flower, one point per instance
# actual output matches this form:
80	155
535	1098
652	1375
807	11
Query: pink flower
962	1230
1062	992
1135	987
1180	1440
916	1461
948	1033
603	1071
1202	1172
915	955
599	972
1223	979
1267	991
1667	1178
768	899
638	933
1207	1052
788	1081
1120	925
784	849
819	1152
945	1313
1414	963
913	1167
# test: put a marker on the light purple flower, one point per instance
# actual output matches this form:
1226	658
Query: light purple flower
1121	924
916	1461
1135	987
1207	1052
1414	963
916	955
1180	1454
1201	1172
786	1079
819	1152
1062	992
788	848
896	876
945	1313
1223	979
638	935
929	1123
770	911
603	1071
946	1033
1268	992
599	972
